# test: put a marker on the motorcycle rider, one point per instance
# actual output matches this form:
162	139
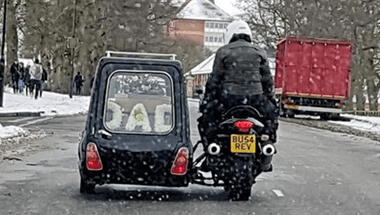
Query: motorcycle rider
240	76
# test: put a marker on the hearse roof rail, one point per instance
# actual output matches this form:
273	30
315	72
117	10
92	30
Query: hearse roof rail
140	55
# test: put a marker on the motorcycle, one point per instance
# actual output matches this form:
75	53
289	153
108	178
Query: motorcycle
237	155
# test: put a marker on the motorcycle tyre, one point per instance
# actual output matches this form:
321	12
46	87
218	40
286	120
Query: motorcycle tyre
238	194
240	190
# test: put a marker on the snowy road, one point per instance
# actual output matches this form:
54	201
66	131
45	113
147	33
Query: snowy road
315	172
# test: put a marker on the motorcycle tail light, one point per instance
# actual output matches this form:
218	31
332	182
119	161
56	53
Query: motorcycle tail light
244	125
180	162
93	161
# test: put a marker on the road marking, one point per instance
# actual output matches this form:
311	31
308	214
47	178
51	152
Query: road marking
279	193
36	121
22	119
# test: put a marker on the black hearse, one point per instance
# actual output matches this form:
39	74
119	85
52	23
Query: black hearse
137	129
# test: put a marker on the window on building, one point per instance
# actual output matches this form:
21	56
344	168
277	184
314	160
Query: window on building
220	25
216	39
207	25
206	39
211	39
211	25
225	25
220	39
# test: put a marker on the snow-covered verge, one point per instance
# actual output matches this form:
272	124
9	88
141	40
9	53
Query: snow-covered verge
51	104
11	148
16	140
363	128
363	123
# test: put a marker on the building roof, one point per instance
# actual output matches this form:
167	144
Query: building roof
202	10
203	68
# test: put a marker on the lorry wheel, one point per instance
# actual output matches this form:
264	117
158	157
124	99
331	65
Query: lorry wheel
84	187
290	114
281	111
325	116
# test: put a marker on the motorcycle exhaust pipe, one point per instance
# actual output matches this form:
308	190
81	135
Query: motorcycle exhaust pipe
213	149
269	150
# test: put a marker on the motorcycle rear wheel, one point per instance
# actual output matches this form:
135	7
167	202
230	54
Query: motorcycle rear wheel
238	194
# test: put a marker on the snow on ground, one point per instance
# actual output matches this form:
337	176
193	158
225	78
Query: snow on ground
11	131
60	104
51	104
364	123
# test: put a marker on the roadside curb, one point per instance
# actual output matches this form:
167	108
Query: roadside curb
15	114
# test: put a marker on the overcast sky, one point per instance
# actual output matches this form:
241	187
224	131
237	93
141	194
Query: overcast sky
226	5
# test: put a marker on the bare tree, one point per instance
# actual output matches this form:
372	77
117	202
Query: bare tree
11	33
82	30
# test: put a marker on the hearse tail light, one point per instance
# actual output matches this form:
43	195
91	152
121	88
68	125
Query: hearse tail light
93	161
243	125
180	163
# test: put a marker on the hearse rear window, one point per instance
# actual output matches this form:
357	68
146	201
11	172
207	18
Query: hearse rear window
139	102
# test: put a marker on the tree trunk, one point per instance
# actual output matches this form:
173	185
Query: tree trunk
11	34
372	92
359	94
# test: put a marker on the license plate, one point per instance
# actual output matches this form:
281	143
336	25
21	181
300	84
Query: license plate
243	143
291	106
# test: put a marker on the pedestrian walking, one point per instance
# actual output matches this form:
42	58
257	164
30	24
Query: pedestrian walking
21	82
36	78
28	89
44	78
78	80
15	76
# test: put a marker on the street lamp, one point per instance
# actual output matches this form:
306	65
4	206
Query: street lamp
72	46
2	66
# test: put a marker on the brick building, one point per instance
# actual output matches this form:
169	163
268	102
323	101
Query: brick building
204	23
200	21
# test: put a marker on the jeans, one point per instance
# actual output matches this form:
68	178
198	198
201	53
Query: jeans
36	87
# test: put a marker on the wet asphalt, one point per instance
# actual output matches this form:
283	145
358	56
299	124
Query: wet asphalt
315	172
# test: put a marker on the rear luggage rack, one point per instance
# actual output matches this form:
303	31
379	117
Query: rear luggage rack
140	55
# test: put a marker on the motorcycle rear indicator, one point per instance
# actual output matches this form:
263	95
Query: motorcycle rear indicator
93	161
243	125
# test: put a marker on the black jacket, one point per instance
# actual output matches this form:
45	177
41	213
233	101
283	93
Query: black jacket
78	80
26	75
240	68
15	72
45	75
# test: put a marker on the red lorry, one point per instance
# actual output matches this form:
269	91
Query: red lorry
313	76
